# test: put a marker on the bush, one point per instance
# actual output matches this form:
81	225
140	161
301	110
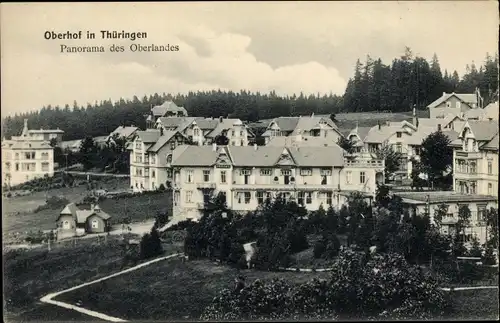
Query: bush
319	248
489	257
161	188
150	245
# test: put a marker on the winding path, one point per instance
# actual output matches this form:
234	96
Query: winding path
48	299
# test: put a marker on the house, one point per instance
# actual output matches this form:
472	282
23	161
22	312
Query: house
491	111
420	203
75	222
126	132
26	157
475	156
308	126
247	175
204	131
455	103
46	135
167	109
148	158
72	145
404	137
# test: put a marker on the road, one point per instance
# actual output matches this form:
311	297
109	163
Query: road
93	174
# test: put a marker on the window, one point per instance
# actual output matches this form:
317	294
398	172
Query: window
169	158
223	176
490	167
206	176
348	177
260	197
398	134
329	196
245	172
45	167
242	143
153	174
138	158
146	172
153	159
362	177
306	172
17	155
95	224
472	167
325	134
481	210
326	172
176	198
308	198
138	145
189	176
241	133
266	172
300	198
45	156
490	189
172	145
458	105
248	196
196	132
232	133
29	155
189	196
473	187
448	104
7	166
239	197
286	172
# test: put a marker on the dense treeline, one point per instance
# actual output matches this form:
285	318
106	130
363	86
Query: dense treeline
409	81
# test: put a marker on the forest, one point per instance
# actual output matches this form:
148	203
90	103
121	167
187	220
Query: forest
410	81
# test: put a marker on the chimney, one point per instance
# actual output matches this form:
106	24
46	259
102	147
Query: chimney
415	117
255	146
444	93
25	129
379	125
220	119
161	131
439	127
298	137
214	146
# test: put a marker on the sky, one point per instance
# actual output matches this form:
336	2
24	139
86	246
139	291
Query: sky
288	47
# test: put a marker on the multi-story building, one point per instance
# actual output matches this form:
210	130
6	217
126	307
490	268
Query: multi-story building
148	158
455	104
248	175
27	157
404	137
313	126
204	131
475	156
46	135
167	109
428	202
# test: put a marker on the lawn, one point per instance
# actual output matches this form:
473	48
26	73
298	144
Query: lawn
31	274
168	290
137	209
173	290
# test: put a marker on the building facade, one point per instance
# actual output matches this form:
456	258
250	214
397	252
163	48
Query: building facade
308	126
247	176
421	203
455	103
26	157
475	156
148	158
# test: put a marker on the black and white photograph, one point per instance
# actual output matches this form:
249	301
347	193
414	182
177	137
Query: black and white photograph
250	161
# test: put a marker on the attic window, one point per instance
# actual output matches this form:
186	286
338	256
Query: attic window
398	134
448	104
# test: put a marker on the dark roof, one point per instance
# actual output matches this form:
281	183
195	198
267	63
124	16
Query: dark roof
149	136
162	141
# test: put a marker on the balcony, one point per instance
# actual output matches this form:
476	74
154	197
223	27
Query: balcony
284	187
374	163
468	154
206	185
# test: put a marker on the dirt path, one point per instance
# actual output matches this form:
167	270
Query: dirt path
48	299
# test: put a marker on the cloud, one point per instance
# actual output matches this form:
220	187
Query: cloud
287	47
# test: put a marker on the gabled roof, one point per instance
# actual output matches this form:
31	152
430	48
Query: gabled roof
167	106
179	123
124	131
380	134
492	107
492	144
483	130
308	123
148	136
207	124
83	215
69	209
286	123
224	125
464	97
262	156
362	132
162	140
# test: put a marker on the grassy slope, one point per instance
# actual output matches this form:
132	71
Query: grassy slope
178	290
138	208
31	274
182	290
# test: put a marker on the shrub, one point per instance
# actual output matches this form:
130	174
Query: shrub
150	245
319	248
489	257
161	188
